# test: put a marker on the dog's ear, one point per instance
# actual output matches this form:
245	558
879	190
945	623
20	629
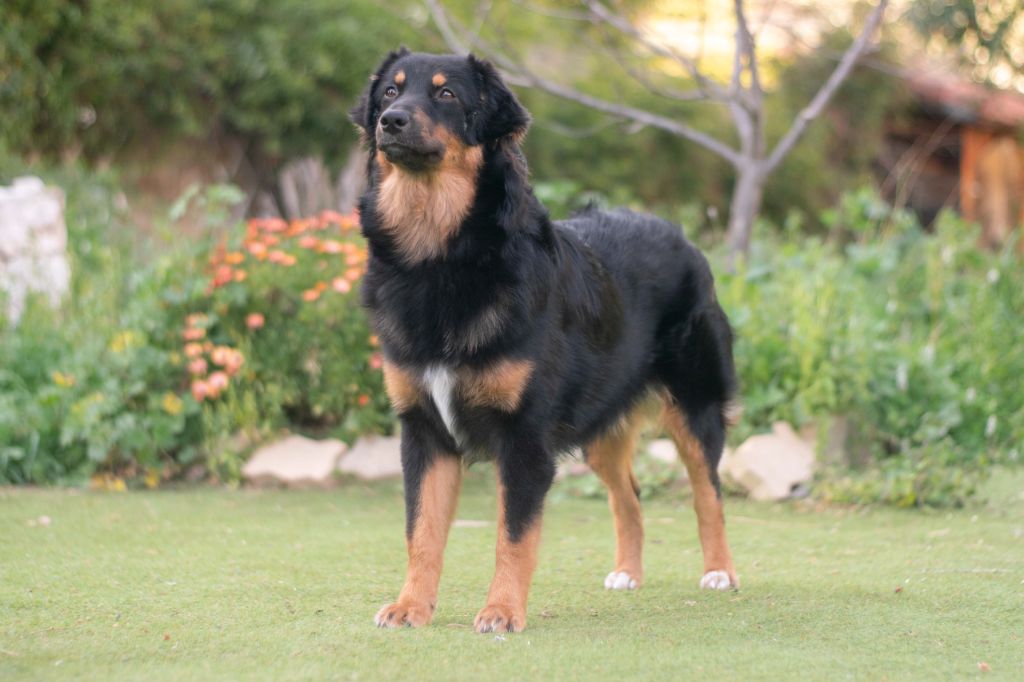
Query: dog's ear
364	114
500	114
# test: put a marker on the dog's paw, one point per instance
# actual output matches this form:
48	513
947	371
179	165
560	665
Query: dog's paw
499	618
403	613
718	580
620	580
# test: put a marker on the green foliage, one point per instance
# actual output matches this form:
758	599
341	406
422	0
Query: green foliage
194	357
97	383
907	334
109	383
985	35
280	75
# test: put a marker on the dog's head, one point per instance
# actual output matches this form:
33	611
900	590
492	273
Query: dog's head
417	105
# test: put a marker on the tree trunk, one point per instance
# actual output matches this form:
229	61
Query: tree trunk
744	207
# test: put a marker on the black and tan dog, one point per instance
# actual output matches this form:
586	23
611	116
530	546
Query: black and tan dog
510	337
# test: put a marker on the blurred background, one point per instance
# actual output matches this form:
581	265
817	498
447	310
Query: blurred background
180	285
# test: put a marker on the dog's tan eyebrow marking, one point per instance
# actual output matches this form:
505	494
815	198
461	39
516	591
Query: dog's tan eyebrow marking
399	77
439	79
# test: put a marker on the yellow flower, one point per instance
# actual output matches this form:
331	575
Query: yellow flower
124	340
107	482
171	403
63	380
152	479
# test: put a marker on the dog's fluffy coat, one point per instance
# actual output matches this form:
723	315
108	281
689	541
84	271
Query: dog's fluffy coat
512	337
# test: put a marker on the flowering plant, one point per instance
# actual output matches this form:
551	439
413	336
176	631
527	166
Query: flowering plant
279	337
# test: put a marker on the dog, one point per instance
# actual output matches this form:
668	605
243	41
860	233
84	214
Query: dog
510	337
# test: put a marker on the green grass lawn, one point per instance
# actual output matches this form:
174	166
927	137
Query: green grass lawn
215	584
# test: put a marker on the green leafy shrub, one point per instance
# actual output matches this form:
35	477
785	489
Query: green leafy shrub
914	337
110	385
96	384
99	75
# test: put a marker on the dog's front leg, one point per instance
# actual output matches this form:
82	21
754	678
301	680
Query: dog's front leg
525	473
432	481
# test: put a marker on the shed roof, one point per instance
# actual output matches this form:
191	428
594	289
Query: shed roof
966	101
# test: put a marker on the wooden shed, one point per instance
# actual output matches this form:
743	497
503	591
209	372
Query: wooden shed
962	146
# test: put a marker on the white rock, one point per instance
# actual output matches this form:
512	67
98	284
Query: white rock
769	466
295	461
33	244
373	457
663	450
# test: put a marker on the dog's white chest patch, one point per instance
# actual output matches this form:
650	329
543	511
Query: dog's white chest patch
440	382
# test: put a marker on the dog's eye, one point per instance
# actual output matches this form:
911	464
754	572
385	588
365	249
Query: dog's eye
391	91
445	93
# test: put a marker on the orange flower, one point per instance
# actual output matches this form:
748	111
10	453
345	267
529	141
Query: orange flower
269	224
193	350
376	361
271	240
276	256
234	364
234	258
222	275
353	259
194	333
217	382
309	242
363	400
228	358
258	249
200	389
374	341
288	260
330	246
332	217
353	275
254	320
341	285
240	275
197	366
310	295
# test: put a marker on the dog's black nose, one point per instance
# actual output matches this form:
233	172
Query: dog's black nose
394	120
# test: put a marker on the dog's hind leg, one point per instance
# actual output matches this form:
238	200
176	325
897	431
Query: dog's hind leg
611	458
719	573
699	375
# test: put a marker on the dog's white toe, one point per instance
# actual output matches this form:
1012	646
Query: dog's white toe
716	580
619	580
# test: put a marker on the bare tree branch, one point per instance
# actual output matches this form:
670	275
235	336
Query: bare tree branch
602	12
745	45
554	14
517	73
818	102
744	94
483	9
621	59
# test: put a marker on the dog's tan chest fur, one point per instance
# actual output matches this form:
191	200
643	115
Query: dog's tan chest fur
423	211
499	386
